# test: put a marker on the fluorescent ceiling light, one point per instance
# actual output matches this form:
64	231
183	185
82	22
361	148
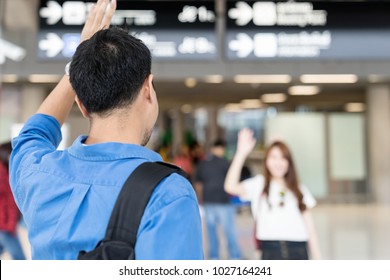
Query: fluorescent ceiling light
251	103
44	78
190	82
273	97
9	78
355	107
233	107
262	79
304	90
329	79
213	79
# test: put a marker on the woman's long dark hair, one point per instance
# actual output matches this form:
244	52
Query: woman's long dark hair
5	152
290	177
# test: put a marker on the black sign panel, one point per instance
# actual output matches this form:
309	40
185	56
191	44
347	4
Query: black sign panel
173	30
268	30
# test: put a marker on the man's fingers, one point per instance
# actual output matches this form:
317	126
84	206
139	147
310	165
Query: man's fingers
99	17
90	16
108	15
100	11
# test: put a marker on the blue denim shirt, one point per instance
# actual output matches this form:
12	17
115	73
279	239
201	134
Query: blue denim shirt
66	197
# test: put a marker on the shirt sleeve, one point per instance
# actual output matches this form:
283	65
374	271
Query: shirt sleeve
40	135
173	233
252	186
308	198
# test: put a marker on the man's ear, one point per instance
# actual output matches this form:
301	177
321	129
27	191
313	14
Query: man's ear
82	108
148	87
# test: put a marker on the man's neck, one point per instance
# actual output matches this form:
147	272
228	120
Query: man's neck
114	129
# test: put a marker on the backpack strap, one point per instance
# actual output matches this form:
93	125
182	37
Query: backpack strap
133	198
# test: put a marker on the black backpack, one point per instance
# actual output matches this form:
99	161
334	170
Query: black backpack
121	232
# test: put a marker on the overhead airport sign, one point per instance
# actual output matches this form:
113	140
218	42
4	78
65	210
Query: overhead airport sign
267	30
173	30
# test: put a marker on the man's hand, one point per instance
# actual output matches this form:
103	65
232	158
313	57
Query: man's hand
98	18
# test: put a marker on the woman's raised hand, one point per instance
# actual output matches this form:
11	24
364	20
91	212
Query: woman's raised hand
245	142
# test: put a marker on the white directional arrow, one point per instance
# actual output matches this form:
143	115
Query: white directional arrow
53	44
52	13
243	45
243	13
74	13
11	51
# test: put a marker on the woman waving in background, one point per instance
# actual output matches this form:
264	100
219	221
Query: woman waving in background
279	203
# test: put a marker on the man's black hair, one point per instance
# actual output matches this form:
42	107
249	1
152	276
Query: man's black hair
109	69
219	143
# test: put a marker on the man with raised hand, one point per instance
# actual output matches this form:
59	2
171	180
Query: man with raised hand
66	197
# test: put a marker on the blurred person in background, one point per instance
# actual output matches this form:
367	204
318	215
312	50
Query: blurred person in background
197	156
9	212
218	210
196	153
280	204
183	159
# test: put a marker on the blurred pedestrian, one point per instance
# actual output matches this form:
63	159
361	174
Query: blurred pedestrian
280	204
196	153
9	212
218	210
183	159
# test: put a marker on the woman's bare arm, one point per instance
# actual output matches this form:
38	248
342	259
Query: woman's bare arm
245	144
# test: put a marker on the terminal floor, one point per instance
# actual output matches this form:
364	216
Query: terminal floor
346	232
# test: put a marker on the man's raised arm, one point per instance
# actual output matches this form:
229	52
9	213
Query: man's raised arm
60	101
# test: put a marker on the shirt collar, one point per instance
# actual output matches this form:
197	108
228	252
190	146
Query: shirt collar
110	151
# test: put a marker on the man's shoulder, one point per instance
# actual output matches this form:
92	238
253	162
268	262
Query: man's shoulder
172	188
176	183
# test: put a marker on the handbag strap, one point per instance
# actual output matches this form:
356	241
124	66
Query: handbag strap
133	198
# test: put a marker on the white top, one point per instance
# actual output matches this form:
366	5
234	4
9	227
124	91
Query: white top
277	222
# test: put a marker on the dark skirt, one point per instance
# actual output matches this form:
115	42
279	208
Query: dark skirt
284	250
